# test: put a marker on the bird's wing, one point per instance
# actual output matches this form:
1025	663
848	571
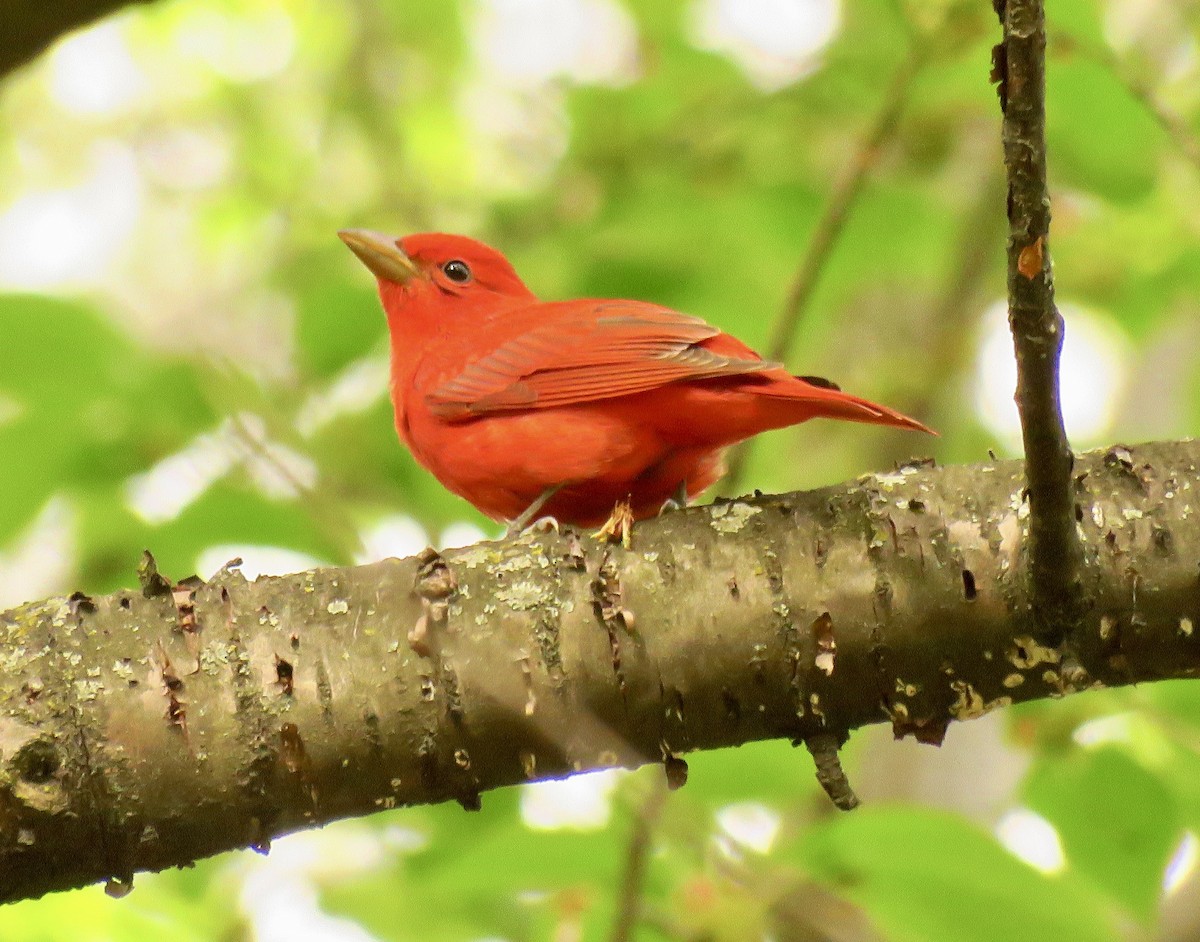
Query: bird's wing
584	351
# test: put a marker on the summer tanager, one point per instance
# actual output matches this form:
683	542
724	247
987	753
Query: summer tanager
568	407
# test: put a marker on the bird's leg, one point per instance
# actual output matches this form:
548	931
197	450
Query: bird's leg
676	501
518	524
618	525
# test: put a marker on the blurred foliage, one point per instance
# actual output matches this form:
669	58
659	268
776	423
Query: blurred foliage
227	322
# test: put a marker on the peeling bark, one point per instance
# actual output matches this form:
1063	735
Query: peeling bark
134	739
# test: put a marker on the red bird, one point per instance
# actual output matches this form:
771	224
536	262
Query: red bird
567	407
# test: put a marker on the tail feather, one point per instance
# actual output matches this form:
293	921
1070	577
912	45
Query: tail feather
821	398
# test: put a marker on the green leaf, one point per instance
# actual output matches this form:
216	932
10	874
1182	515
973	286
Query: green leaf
774	772
479	874
227	513
338	318
1078	19
89	406
1100	137
191	905
929	876
1118	822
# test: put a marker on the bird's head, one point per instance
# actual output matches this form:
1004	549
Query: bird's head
433	274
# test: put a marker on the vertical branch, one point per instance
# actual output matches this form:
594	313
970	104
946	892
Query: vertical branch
1037	327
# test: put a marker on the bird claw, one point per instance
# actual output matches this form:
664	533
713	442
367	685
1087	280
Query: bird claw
677	501
526	520
670	505
618	526
540	525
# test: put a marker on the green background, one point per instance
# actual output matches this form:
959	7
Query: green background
214	311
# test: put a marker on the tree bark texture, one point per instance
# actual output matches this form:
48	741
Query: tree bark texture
137	732
30	26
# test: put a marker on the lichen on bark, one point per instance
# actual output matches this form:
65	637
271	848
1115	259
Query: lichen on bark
135	738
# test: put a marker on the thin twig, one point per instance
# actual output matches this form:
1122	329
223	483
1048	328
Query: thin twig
970	261
832	222
824	749
1037	326
637	854
840	205
320	509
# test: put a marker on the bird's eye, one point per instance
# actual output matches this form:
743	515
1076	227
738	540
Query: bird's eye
457	271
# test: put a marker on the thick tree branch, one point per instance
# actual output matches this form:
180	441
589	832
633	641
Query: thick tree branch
30	26
137	733
1037	327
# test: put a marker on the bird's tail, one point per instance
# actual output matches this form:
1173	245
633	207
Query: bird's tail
810	397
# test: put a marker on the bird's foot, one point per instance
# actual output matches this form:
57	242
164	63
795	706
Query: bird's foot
529	518
670	505
677	501
542	524
618	526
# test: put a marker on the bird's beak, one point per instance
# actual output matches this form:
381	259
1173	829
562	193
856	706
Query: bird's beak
380	254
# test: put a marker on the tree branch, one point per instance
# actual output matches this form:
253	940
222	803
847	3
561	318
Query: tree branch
30	26
138	733
1037	327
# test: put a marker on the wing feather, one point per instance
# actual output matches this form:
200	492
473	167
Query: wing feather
580	352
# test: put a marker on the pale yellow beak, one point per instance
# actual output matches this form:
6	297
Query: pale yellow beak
380	254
